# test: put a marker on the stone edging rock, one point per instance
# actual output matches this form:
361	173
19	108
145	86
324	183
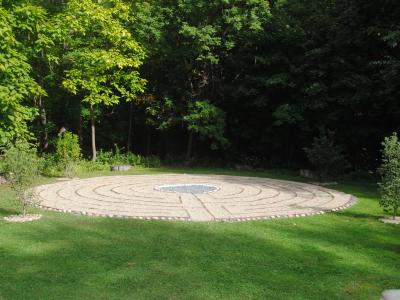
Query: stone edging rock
390	220
352	201
22	219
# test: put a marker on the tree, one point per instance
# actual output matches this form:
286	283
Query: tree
17	87
36	35
190	43
390	170
206	120
21	166
100	55
325	155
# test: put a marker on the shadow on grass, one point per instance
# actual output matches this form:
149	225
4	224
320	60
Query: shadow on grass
359	215
82	258
8	211
346	255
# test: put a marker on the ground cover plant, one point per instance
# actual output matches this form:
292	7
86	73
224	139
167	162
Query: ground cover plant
342	255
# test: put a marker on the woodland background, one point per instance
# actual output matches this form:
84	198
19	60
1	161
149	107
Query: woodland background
216	82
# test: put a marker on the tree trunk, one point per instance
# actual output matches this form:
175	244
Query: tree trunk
43	135
129	142
93	131
23	207
189	146
148	141
77	118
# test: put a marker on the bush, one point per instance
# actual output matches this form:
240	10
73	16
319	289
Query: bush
326	156
390	171
135	159
68	153
21	166
151	161
67	159
92	166
111	158
49	166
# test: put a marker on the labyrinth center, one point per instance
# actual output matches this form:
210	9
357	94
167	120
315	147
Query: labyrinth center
190	197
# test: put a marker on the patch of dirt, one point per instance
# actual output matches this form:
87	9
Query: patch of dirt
67	178
3	180
390	220
22	219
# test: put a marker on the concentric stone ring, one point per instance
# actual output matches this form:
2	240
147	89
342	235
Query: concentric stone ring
234	198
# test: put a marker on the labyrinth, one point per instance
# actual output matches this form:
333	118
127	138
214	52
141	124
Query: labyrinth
190	197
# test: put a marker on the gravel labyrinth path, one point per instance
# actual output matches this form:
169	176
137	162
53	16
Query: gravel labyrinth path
192	197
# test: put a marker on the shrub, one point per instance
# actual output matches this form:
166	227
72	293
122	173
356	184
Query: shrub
92	166
111	158
49	166
68	153
135	159
151	161
21	166
326	156
390	171
105	157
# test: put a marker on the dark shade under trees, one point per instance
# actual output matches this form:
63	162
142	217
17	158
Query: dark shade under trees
238	81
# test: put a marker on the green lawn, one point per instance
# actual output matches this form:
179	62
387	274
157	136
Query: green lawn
344	255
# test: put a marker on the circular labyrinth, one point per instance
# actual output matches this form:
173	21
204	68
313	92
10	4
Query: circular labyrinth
190	197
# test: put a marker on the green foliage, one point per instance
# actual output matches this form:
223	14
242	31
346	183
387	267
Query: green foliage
49	166
85	166
208	121
161	114
326	156
68	152
110	158
390	170
17	86
101	54
278	70
21	167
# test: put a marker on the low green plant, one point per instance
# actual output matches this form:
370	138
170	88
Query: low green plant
390	171
112	158
135	159
104	157
49	166
68	153
86	166
21	167
151	161
326	156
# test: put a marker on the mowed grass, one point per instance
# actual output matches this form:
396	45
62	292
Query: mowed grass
343	255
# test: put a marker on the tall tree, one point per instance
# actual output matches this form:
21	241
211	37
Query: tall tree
36	36
100	55
17	86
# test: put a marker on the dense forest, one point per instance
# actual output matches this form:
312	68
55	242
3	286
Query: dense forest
250	82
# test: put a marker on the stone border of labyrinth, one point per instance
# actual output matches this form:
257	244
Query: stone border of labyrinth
236	198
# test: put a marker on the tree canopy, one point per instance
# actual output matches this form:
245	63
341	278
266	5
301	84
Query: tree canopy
236	81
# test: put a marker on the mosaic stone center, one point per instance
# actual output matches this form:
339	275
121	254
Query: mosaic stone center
187	188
